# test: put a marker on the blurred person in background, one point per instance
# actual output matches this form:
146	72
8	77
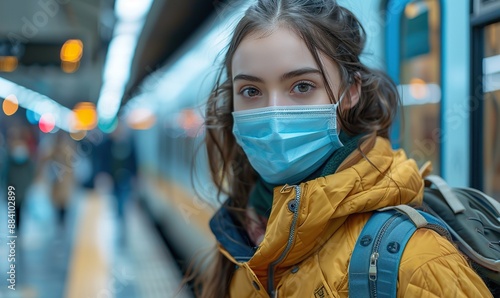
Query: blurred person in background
116	157
123	167
61	173
20	165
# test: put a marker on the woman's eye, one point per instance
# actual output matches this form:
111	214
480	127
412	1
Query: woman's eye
250	92
303	87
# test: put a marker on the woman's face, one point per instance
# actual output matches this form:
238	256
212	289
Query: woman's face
279	70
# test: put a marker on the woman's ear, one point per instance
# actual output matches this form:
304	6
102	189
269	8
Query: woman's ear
354	92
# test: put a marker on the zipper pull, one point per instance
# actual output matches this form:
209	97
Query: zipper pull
286	188
372	272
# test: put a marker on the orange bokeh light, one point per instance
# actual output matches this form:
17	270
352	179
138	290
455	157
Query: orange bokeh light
85	116
72	50
8	63
10	105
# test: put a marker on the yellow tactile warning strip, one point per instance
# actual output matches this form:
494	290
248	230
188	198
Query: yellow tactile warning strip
89	270
105	264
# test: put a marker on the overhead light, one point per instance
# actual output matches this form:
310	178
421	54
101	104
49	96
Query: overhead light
132	10
131	16
119	59
109	102
37	104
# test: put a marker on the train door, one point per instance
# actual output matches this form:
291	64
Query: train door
485	96
428	56
413	58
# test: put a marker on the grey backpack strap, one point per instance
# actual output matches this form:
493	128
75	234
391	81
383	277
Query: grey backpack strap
450	198
418	220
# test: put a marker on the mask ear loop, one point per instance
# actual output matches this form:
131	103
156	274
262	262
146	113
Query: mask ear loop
334	121
351	81
337	104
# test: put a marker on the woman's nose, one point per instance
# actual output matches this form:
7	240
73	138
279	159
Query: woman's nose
277	99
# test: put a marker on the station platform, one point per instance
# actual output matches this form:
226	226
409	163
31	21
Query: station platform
93	255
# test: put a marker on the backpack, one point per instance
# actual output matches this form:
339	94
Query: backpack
473	219
470	217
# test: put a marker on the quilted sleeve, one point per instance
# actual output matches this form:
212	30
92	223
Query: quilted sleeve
432	267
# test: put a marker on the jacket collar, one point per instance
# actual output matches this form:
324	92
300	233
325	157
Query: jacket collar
230	236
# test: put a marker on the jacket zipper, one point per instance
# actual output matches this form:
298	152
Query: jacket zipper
372	271
291	238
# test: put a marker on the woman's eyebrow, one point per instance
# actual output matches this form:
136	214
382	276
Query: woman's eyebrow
299	72
245	77
284	77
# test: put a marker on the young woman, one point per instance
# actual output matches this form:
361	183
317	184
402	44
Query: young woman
297	139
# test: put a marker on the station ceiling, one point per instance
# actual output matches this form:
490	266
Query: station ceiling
34	31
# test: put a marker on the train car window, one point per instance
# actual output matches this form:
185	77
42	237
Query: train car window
491	122
420	80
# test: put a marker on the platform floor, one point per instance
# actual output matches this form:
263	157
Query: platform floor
93	255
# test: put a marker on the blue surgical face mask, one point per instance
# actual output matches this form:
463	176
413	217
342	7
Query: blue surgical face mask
286	144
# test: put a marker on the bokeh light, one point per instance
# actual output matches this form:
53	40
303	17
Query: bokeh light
85	116
71	54
47	122
8	63
10	105
72	50
191	122
412	10
418	88
141	119
108	126
78	135
32	116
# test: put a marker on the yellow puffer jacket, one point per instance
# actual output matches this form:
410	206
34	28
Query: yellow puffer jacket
307	248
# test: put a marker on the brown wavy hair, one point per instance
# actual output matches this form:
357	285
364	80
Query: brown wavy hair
326	28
